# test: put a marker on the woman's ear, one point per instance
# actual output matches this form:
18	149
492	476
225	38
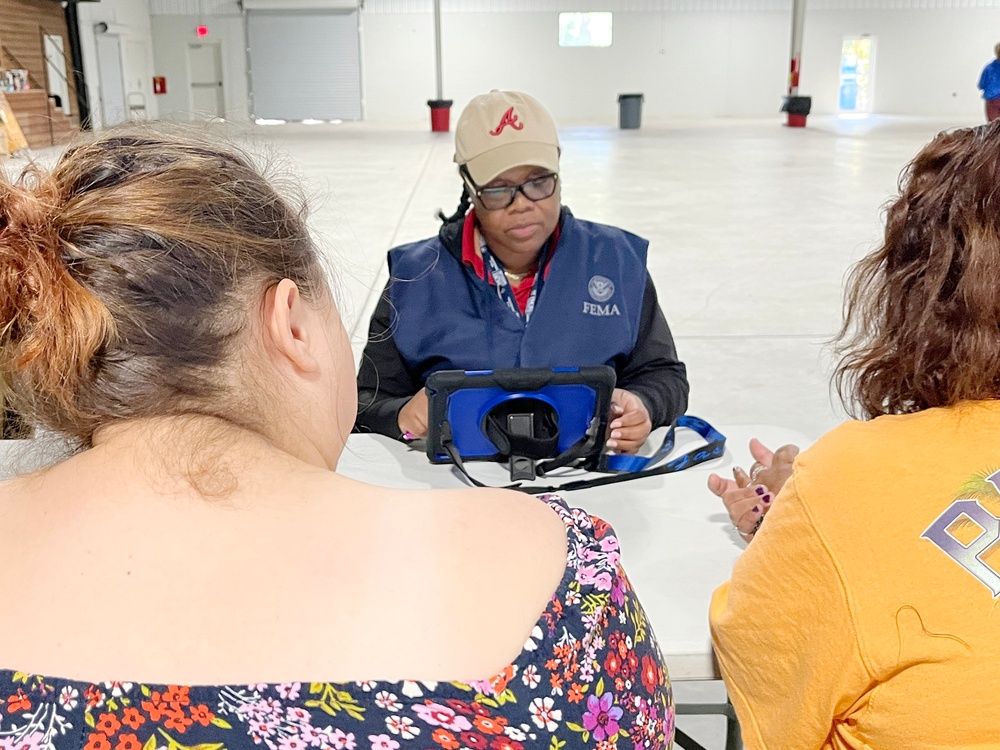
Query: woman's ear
290	326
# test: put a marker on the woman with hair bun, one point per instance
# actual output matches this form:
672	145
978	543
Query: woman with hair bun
863	613
197	574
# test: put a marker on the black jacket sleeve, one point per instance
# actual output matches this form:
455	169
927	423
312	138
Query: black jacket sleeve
384	383
652	370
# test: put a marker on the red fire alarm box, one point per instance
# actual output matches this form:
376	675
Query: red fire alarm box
159	84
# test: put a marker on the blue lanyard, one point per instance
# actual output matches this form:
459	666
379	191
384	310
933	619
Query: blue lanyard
716	445
625	467
504	292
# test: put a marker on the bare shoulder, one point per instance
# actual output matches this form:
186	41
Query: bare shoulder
513	520
520	544
518	536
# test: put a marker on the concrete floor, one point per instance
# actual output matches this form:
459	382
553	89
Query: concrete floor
752	228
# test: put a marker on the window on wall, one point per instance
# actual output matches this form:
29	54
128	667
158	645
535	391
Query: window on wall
585	29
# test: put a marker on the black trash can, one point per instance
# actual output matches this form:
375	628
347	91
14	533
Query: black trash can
630	111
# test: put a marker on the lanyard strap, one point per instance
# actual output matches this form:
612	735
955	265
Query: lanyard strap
621	463
504	292
622	468
625	468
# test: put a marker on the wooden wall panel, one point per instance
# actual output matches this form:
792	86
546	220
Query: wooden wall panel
21	24
43	125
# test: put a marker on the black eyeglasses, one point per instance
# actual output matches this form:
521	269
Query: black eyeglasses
497	198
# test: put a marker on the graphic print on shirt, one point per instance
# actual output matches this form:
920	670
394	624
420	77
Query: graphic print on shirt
969	533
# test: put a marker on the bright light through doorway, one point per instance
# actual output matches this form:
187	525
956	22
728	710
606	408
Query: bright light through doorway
857	76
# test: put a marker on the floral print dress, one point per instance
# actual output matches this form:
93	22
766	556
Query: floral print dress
590	675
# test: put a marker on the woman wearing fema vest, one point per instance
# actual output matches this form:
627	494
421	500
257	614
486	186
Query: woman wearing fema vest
518	281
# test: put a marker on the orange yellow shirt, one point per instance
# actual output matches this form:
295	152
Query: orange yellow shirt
864	614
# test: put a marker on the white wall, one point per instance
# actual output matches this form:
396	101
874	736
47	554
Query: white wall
171	36
397	68
691	58
686	64
130	20
927	61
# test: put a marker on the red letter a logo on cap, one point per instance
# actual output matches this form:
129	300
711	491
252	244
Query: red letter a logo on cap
509	118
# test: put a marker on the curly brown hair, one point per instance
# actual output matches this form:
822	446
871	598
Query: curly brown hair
922	312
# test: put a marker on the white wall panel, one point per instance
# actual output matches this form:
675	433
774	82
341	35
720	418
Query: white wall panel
130	19
927	62
171	36
194	7
633	6
335	5
398	54
687	63
689	57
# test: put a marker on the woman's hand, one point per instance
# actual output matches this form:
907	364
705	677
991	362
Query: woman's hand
748	497
771	469
629	424
412	419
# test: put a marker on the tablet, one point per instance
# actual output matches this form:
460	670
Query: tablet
461	403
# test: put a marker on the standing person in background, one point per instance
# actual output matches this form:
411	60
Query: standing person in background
863	613
518	281
989	84
198	574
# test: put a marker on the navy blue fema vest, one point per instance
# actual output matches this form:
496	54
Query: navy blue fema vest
444	317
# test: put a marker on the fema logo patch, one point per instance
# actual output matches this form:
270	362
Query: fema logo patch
601	289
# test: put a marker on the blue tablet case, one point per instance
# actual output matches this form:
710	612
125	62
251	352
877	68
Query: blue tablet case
459	400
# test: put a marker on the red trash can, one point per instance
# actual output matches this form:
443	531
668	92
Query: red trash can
440	115
798	108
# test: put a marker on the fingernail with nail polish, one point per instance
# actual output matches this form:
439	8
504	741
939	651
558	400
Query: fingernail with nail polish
756	509
766	499
760	490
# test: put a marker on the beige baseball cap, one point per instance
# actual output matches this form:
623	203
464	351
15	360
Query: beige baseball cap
505	129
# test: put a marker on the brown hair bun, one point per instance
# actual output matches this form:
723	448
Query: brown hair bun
128	275
50	326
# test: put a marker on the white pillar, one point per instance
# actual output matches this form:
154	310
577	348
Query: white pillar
798	26
437	47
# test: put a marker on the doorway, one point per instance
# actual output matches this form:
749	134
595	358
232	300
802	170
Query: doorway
857	75
207	98
321	81
55	70
112	78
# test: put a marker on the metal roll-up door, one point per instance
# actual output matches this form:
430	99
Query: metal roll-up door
304	64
